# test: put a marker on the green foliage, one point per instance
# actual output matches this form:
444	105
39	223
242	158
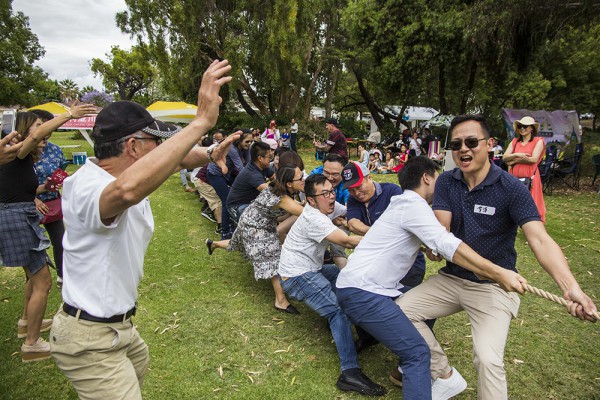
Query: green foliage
45	91
69	91
19	49
127	73
463	56
277	49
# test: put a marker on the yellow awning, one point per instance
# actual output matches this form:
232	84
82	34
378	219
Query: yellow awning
173	111
52	107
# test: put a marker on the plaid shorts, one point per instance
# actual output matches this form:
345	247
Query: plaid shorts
22	239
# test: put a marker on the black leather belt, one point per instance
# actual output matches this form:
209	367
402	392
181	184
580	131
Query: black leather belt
72	311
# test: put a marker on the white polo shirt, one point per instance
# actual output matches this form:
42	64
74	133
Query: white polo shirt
388	250
103	265
305	244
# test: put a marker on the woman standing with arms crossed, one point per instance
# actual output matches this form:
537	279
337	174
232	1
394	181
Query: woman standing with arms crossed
523	155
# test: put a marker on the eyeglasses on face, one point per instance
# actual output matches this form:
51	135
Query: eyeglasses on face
247	141
471	143
299	179
156	139
522	127
327	193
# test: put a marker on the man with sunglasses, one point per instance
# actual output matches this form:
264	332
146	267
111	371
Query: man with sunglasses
483	206
304	277
109	226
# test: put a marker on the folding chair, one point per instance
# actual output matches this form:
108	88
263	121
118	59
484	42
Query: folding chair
569	168
545	169
320	155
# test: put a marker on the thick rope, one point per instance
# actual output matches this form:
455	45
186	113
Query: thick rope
552	297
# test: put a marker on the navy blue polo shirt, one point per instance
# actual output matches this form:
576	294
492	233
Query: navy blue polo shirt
244	189
377	205
487	217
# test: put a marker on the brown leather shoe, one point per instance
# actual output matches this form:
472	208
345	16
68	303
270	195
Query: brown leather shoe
396	377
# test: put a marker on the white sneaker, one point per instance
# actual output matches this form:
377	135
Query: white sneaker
444	389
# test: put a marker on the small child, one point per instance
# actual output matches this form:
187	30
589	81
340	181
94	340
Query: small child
376	163
372	167
285	138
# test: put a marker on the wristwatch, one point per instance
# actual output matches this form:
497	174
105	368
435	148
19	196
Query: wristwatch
210	150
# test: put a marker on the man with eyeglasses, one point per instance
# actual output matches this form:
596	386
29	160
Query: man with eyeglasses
109	226
332	169
304	277
483	206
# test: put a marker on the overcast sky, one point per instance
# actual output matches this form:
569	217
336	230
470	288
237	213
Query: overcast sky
73	32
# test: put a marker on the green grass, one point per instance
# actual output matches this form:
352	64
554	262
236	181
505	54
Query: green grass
202	314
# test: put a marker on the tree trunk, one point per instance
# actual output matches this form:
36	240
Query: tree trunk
442	88
245	104
470	84
272	110
367	97
334	77
253	96
311	88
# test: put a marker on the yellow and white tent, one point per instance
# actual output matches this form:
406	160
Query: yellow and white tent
173	111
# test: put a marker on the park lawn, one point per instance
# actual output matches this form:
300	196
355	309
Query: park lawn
213	332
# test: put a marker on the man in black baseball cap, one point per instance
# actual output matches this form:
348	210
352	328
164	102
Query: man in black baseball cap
109	226
123	118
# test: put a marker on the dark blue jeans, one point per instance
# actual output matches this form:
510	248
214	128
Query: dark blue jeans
385	321
317	291
219	183
235	213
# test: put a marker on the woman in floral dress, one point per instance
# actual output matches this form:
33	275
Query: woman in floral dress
256	236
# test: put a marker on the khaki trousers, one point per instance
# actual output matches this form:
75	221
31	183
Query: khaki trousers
102	360
490	310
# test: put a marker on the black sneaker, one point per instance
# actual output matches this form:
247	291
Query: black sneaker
353	380
218	229
209	216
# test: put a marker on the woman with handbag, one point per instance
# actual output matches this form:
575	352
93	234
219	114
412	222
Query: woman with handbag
523	155
22	240
49	158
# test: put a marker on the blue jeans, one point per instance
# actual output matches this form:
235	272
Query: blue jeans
235	213
316	290
219	183
383	319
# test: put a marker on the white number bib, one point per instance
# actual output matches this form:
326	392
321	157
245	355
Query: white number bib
487	210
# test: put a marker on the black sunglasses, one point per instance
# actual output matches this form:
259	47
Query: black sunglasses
519	126
471	143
